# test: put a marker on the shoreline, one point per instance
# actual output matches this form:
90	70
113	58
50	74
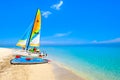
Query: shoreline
48	71
60	70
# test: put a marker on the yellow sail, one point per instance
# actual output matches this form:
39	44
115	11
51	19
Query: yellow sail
35	36
22	42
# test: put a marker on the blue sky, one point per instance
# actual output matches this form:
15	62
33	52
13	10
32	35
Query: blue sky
63	21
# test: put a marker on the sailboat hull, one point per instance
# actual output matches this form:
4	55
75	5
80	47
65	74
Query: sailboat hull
24	60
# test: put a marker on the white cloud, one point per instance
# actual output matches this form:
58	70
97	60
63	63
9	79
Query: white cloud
55	36
107	41
47	42
58	38
95	41
61	42
111	41
46	13
62	34
57	6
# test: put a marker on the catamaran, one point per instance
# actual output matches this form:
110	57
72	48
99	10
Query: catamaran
31	39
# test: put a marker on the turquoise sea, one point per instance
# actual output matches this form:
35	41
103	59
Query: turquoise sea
91	63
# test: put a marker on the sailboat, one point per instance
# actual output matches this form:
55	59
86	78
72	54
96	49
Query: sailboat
31	39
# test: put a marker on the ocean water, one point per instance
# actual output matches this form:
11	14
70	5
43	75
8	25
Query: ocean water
90	63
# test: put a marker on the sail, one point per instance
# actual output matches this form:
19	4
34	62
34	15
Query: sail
35	35
23	41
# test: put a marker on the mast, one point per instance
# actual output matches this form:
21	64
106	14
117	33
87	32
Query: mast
31	33
29	39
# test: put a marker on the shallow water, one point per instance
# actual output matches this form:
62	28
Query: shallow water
91	63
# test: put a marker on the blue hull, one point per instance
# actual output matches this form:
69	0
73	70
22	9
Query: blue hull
22	60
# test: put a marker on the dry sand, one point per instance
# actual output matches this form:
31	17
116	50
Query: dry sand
48	71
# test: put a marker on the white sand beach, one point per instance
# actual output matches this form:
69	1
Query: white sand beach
47	71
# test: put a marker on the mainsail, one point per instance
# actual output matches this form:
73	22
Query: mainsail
32	38
35	35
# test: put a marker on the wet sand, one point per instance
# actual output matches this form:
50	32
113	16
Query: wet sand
47	71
